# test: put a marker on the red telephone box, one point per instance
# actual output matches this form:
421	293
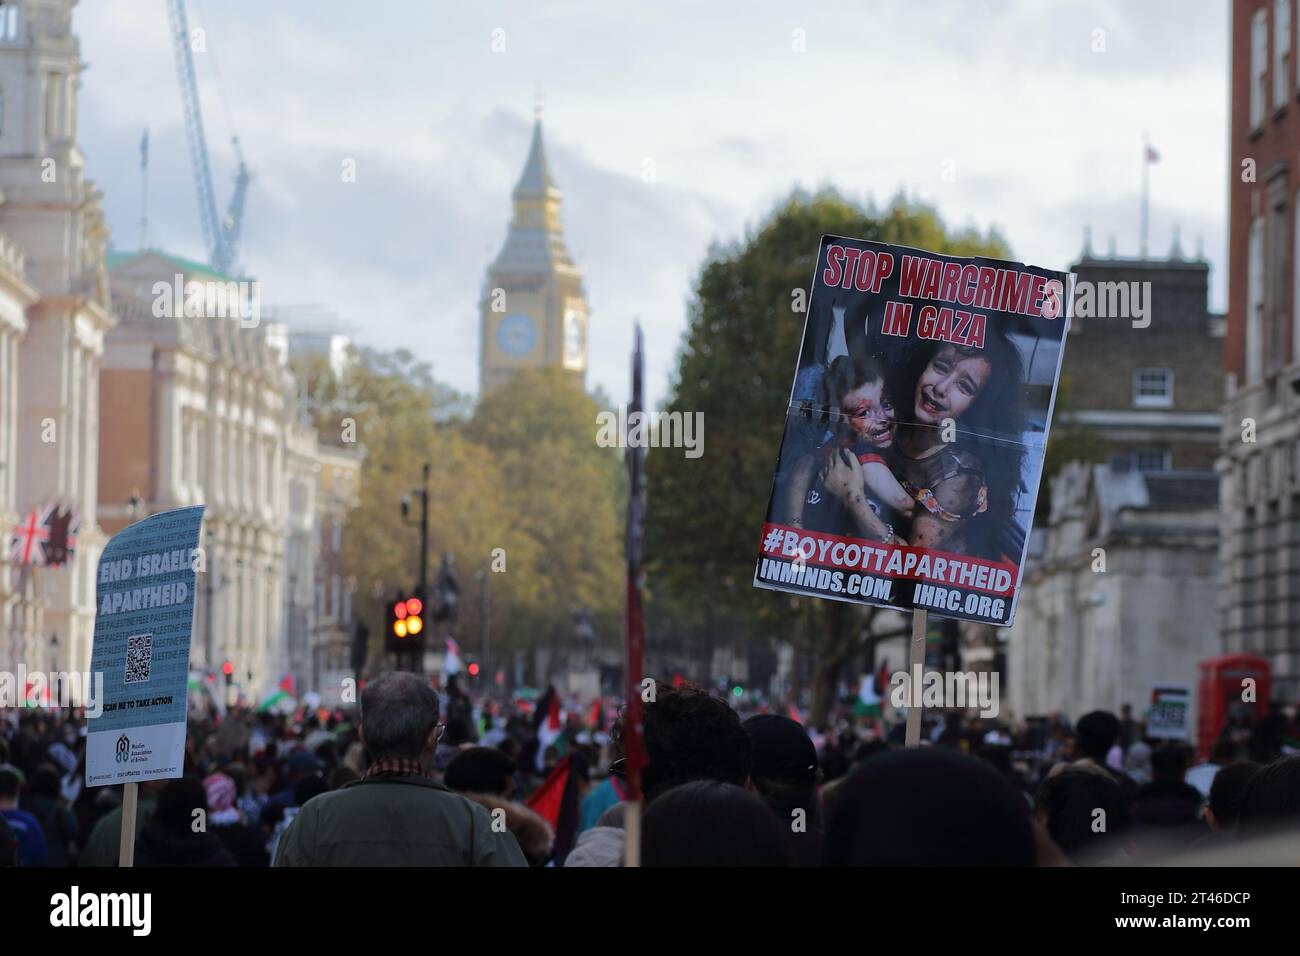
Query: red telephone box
1221	692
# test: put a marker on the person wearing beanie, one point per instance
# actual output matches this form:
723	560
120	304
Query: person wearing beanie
929	807
170	837
784	773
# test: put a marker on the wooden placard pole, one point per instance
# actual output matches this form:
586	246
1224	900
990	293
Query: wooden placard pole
632	833
915	664
126	849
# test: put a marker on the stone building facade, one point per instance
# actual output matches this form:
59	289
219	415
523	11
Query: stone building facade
54	296
203	412
1119	592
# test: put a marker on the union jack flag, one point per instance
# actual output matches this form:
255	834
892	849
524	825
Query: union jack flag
47	536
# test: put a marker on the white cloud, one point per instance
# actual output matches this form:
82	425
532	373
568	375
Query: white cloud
1044	132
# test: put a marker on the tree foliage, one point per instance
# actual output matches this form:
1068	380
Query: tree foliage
520	484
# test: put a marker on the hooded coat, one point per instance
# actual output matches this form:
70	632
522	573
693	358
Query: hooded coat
531	831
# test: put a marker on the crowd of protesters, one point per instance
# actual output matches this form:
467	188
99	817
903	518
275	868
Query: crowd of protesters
418	776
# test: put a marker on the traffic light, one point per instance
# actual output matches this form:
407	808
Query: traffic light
405	623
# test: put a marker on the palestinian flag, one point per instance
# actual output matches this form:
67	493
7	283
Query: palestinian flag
556	801
596	719
547	722
451	660
869	700
280	701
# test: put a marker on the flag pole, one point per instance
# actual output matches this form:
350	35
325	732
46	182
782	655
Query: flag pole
126	848
1146	195
915	663
634	755
144	189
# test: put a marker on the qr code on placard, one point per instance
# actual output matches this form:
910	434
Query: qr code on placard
139	655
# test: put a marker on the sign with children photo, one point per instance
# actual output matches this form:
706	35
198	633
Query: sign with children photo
916	429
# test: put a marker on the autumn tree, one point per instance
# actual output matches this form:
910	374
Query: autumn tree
519	491
563	502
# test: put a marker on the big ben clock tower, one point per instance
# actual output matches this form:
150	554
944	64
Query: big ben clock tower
534	312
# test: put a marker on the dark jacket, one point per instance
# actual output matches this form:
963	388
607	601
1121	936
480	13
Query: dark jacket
395	821
243	843
1167	803
104	844
1166	819
58	824
159	846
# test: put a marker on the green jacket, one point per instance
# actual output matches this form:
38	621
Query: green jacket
105	842
395	821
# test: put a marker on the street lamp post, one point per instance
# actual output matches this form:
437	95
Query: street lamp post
54	671
423	492
484	616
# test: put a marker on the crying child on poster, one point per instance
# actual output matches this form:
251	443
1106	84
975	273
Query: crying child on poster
856	398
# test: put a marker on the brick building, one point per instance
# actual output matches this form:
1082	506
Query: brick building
1150	394
1260	549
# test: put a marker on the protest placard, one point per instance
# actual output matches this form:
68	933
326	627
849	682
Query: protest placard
915	431
144	597
1169	716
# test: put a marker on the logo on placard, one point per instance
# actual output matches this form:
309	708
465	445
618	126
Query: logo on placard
123	749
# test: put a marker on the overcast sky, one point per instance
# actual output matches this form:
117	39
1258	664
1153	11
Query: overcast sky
1044	135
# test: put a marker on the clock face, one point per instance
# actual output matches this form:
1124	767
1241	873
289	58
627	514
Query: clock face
575	339
516	335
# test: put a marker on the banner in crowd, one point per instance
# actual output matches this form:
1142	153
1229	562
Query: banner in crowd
916	430
1169	716
144	596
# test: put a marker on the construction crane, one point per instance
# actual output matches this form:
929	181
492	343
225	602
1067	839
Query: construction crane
222	235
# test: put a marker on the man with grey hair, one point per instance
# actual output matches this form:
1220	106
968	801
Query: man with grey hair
396	815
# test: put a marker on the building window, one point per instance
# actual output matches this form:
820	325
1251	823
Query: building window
1151	459
1254	298
1295	279
9	22
1281	50
1258	66
1153	387
1277	262
1143	459
52	90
